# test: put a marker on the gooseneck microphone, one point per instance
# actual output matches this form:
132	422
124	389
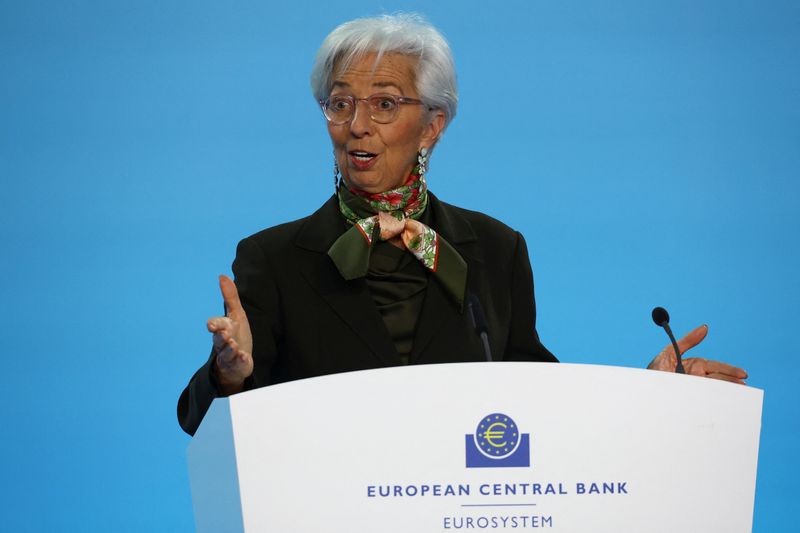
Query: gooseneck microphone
661	318
478	320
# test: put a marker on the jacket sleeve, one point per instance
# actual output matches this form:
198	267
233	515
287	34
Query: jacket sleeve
523	340
196	398
260	299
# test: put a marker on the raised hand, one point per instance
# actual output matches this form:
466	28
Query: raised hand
233	342
696	366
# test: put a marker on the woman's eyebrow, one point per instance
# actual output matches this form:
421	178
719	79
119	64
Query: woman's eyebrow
377	84
384	84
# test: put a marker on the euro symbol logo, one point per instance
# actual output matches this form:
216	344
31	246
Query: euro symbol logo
496	436
493	434
497	442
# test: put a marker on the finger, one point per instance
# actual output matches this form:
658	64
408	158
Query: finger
224	357
226	335
231	360
725	377
219	323
229	350
220	342
693	338
718	367
702	367
231	295
231	343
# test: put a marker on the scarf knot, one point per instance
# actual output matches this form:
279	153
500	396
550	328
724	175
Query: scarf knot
391	214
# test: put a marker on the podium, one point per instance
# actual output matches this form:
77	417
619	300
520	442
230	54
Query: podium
480	446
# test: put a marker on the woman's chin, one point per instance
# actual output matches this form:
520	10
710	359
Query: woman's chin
370	181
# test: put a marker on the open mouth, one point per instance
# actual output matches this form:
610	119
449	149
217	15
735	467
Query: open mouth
361	159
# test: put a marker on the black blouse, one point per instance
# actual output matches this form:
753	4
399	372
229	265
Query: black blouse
397	282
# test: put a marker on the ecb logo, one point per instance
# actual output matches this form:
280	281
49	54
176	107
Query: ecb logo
497	442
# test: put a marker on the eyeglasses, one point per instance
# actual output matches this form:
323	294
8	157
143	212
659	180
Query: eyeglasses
383	108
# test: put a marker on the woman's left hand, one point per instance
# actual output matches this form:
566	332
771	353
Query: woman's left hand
696	366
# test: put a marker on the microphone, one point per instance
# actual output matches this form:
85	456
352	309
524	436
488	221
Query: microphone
478	320
661	318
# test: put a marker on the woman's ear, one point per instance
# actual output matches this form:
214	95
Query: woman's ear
433	129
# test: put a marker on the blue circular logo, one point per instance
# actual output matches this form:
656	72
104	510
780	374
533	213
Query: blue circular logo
497	436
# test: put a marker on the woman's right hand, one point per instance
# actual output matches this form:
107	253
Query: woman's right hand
233	341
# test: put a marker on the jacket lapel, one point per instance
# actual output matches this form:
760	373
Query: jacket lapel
350	300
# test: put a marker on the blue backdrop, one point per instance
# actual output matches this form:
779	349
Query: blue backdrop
648	150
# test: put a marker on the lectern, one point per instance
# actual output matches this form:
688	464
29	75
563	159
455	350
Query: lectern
480	446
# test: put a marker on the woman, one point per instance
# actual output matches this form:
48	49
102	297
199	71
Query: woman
380	274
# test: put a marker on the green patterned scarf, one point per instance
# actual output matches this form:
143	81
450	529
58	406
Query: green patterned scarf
390	214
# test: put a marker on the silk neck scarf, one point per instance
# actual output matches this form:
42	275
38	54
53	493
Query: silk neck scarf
390	214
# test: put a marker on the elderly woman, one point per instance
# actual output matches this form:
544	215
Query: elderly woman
382	274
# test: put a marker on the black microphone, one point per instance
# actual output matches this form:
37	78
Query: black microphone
661	318
479	323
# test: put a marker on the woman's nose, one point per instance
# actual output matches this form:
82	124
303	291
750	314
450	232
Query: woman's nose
361	123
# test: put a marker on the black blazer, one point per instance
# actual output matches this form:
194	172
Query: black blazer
308	321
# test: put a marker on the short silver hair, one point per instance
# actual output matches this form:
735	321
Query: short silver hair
405	33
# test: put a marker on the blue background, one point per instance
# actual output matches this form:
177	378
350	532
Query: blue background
648	150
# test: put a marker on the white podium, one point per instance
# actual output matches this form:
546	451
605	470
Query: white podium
480	446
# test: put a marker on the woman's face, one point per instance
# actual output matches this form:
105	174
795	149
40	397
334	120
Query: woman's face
377	157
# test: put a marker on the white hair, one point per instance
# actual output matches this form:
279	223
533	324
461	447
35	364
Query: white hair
406	33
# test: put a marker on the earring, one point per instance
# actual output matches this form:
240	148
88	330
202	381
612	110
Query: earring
336	174
422	161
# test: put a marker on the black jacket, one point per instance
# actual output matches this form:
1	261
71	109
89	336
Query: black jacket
308	321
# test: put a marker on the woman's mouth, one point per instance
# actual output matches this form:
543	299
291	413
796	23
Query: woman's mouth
362	160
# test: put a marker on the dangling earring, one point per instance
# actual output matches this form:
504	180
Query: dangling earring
422	161
336	174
